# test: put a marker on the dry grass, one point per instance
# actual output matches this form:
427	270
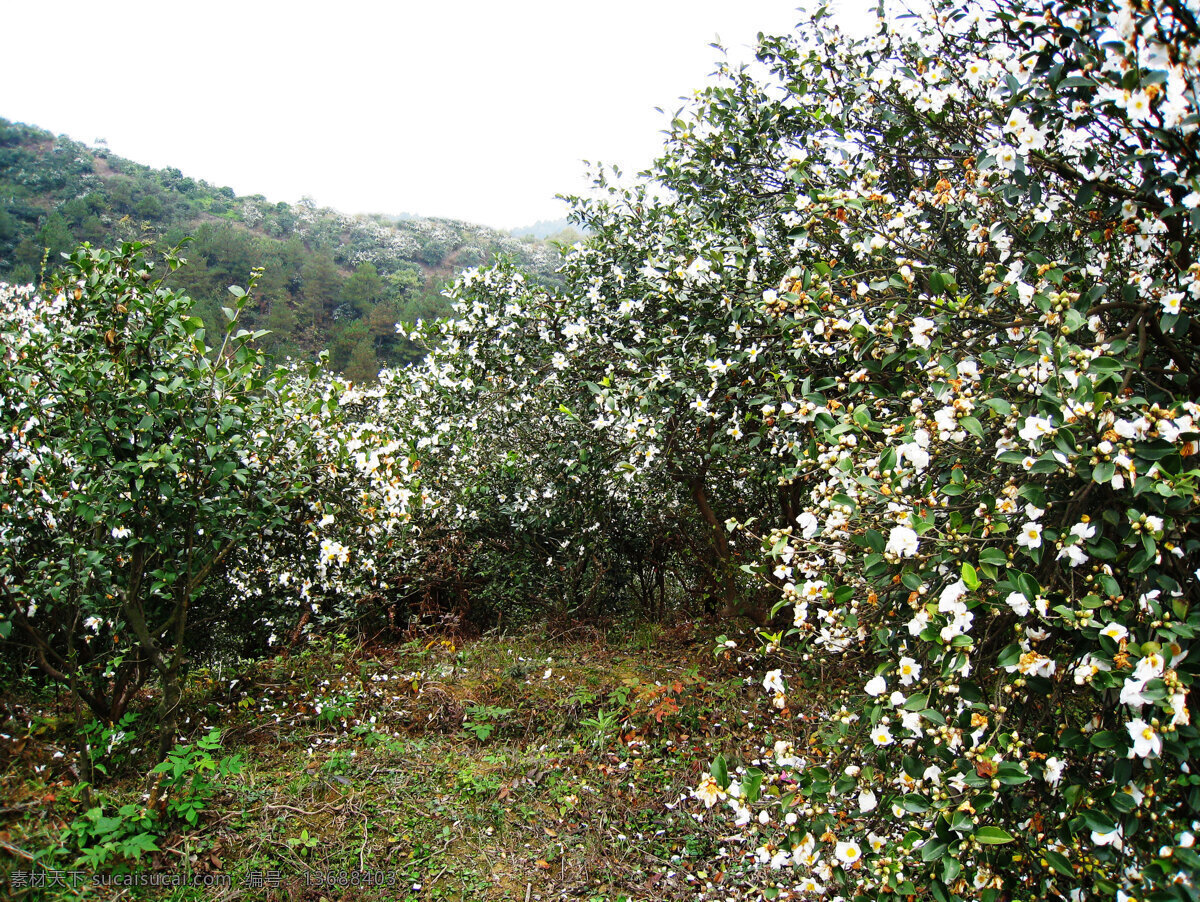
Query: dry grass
504	769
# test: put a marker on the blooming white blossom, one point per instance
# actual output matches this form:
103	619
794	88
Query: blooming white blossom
1053	772
1115	631
1019	603
847	852
1137	106
909	670
902	540
773	681
1035	428
1031	535
921	329
1147	743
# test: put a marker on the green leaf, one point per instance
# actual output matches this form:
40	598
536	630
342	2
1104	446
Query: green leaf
970	577
1011	774
932	850
971	425
752	784
1008	656
875	541
720	771
917	804
993	836
1059	862
950	870
993	556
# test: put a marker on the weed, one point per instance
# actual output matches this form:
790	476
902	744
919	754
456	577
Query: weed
336	708
111	743
188	773
481	720
103	838
303	843
601	726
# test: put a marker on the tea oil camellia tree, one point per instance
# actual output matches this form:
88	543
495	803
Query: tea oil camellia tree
138	465
905	332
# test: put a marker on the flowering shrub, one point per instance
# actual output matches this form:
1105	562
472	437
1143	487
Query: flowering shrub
139	466
905	333
347	539
987	275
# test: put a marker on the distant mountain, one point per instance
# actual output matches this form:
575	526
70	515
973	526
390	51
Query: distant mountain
546	228
332	281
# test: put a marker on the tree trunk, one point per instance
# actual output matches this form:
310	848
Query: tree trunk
731	604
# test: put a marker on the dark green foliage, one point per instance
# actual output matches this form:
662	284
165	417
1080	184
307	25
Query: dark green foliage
141	477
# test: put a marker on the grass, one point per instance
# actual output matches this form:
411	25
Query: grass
500	769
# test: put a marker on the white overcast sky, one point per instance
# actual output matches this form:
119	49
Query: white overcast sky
475	110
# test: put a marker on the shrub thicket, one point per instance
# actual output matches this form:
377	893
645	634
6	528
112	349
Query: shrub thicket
904	332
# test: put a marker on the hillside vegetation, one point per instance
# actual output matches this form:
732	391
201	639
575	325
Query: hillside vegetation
829	529
330	281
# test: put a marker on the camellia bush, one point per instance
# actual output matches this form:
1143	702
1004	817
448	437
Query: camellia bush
146	477
900	337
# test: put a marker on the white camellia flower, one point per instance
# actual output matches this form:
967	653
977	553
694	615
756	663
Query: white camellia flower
915	454
1146	741
1073	554
709	791
867	801
1109	837
1115	631
773	681
1150	667
1137	106
950	600
902	540
909	670
1180	715
918	623
809	525
1031	535
1019	604
1036	428
876	686
1054	770
847	852
1132	693
921	328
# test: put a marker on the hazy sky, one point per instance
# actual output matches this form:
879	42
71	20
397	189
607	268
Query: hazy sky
476	110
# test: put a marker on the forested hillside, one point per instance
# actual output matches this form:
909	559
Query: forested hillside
330	281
